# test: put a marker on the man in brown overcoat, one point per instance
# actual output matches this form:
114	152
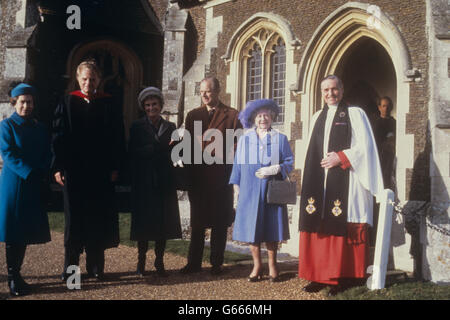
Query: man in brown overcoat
210	195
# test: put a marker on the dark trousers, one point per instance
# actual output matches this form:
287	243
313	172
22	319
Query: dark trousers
197	244
15	253
95	258
160	247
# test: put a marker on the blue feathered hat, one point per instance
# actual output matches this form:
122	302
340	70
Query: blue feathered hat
22	89
247	115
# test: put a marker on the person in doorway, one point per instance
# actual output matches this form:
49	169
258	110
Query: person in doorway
155	214
384	126
89	146
341	174
256	220
25	150
210	195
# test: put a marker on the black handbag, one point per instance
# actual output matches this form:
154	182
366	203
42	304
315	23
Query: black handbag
281	191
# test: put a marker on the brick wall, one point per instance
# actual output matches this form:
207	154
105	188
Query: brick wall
408	16
198	15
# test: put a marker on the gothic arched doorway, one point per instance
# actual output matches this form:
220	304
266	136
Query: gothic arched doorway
368	73
122	73
373	60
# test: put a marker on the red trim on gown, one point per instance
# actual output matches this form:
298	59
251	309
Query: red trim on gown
97	95
326	258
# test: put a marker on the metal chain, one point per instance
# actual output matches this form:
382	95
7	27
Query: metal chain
398	208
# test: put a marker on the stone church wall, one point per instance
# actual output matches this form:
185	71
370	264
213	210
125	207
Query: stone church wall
304	18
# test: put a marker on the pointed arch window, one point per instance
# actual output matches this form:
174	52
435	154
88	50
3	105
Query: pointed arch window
264	69
254	76
278	76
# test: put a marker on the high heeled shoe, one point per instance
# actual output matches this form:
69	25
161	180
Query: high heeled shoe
274	279
256	278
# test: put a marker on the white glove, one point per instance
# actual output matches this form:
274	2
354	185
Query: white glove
179	163
265	172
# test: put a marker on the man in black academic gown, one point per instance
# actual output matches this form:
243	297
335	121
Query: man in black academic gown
88	145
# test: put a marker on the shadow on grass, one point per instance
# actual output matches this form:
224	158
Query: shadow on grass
408	289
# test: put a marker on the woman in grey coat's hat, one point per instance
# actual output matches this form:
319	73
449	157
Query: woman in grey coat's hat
154	202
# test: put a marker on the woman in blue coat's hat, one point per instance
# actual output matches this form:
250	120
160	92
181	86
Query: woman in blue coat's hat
25	150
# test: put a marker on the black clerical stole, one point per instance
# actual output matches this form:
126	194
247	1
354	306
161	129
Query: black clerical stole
324	203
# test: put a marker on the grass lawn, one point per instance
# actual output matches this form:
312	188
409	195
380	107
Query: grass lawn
179	247
408	289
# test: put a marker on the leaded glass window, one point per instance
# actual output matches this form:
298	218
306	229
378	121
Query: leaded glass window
278	76
263	67
254	76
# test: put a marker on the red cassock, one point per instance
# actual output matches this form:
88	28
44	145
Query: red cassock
326	258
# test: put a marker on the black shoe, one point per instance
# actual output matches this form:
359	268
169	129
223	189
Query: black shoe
216	270
314	287
140	270
141	273
190	269
100	276
256	278
18	287
274	279
14	289
159	266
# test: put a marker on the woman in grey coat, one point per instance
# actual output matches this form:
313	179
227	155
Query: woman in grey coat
155	213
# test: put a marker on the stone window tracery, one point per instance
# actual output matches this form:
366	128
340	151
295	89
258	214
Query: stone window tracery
263	61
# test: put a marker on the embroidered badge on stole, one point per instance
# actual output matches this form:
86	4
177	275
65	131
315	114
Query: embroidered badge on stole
310	208
337	211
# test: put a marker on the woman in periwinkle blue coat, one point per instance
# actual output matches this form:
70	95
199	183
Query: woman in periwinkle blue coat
262	152
25	150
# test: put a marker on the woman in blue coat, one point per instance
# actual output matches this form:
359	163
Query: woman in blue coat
262	152
25	150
